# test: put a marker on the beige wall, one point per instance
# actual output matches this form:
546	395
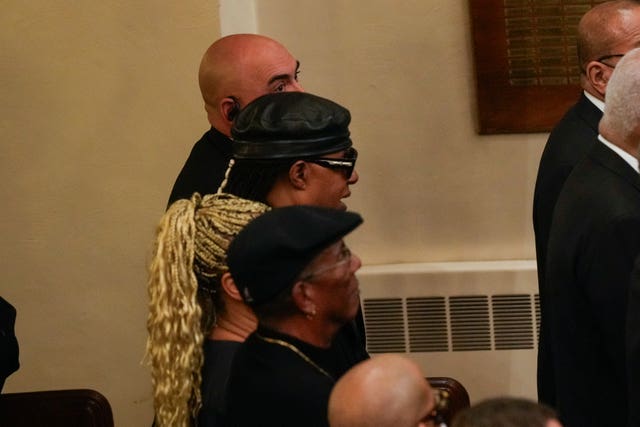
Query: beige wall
100	108
431	189
100	105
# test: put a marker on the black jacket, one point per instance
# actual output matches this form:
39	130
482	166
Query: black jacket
568	143
205	167
594	239
633	346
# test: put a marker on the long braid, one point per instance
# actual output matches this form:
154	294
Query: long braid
189	254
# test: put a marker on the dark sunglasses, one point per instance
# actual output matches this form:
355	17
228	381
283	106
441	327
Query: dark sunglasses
346	163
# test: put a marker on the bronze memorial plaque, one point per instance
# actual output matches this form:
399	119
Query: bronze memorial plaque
527	72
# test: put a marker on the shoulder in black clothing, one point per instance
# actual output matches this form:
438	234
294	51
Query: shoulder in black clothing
567	144
633	345
205	167
218	356
9	359
273	385
595	236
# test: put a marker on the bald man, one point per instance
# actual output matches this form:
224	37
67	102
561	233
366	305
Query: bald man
385	391
234	71
605	33
594	238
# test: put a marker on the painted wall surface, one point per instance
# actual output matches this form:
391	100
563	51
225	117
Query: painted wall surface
100	108
430	188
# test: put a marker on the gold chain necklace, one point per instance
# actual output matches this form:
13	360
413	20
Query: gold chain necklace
297	351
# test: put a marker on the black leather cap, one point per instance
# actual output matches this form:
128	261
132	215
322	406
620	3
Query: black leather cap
290	125
269	254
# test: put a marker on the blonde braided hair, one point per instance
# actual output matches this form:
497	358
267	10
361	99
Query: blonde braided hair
189	254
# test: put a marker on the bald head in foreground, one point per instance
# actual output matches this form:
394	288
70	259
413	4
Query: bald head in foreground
385	391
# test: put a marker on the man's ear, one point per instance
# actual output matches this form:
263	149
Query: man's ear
229	286
299	174
598	75
229	108
302	295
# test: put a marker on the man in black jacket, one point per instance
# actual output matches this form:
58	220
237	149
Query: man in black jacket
633	346
594	239
605	33
234	71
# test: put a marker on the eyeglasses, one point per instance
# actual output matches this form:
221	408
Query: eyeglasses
441	405
347	163
345	252
605	57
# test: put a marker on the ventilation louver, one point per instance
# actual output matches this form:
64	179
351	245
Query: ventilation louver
452	323
512	322
385	325
427	320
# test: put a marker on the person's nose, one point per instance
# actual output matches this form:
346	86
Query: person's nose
296	87
356	262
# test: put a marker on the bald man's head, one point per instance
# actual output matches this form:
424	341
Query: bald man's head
387	390
605	33
239	68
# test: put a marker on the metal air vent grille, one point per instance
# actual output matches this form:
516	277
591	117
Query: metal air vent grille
470	327
512	323
427	320
385	325
452	323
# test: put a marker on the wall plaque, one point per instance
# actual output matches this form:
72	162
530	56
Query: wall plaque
527	73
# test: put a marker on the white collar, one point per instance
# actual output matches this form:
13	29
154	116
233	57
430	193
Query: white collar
594	100
633	162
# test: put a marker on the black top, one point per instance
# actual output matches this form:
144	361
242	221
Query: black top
9	360
595	236
568	143
218	356
273	385
204	170
633	346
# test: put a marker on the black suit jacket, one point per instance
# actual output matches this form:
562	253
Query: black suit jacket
594	239
568	143
9	350
205	167
633	346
